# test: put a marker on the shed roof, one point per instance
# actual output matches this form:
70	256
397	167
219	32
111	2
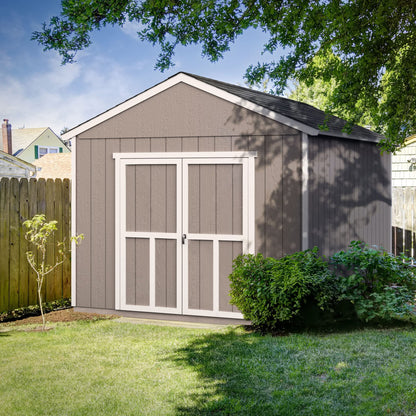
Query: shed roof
300	116
302	112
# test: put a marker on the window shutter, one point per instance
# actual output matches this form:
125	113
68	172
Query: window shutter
61	150
36	151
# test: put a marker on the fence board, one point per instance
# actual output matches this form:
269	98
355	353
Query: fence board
4	243
20	200
33	210
66	223
14	240
49	284
23	264
57	292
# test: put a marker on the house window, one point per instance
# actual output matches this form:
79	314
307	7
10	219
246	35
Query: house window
44	150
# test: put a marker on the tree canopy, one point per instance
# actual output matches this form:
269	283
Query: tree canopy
320	95
369	47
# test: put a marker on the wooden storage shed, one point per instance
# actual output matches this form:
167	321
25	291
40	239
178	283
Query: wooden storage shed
172	184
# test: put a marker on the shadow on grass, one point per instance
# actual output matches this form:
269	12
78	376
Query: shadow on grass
229	367
242	372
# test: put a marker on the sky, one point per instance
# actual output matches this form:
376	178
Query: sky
37	91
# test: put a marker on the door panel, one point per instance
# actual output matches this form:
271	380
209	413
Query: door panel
151	198
228	251
200	266
215	199
165	277
137	271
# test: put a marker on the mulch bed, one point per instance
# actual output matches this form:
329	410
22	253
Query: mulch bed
64	315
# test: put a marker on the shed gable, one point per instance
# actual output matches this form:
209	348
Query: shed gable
185	111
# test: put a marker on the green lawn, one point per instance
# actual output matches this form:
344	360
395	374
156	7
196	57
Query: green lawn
110	368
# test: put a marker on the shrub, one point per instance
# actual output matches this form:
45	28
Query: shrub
34	310
380	285
270	292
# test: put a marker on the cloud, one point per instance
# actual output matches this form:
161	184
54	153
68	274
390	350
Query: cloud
131	29
63	96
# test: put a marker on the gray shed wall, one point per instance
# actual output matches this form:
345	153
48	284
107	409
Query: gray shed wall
349	194
182	119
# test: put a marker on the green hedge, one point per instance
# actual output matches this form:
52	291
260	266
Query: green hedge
364	282
34	310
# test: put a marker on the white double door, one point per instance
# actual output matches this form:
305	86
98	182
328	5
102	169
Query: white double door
181	219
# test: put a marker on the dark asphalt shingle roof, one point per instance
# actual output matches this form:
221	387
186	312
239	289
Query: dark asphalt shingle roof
295	110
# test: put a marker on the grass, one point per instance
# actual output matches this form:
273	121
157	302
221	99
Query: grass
110	368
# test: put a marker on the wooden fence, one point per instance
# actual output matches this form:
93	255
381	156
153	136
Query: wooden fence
20	200
404	221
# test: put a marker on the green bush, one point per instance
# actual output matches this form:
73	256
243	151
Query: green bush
362	282
380	285
271	292
34	310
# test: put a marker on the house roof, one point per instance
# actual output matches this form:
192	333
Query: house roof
54	165
22	138
17	162
300	116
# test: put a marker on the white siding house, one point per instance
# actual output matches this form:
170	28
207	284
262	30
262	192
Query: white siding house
404	165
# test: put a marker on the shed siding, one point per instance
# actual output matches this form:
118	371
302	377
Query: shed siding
278	203
349	194
182	111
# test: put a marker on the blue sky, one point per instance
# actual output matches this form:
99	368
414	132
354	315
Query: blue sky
37	91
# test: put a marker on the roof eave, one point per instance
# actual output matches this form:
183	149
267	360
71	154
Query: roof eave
17	162
349	136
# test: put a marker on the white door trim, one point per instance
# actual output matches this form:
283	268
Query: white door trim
122	234
247	236
182	160
183	155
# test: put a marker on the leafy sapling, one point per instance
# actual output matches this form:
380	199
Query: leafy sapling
39	233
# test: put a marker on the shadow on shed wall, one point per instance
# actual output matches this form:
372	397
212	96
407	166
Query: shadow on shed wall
349	190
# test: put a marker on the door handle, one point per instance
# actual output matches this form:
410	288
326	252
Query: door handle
183	238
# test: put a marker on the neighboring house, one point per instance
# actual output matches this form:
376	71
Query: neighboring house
172	184
30	144
54	166
404	197
404	165
14	167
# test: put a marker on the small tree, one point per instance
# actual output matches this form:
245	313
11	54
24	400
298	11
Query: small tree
39	232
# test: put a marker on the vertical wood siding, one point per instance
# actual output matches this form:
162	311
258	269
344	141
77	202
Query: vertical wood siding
349	194
19	201
277	205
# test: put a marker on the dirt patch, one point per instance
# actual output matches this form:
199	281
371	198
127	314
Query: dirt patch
65	315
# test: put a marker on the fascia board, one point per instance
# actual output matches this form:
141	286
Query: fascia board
176	79
347	136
